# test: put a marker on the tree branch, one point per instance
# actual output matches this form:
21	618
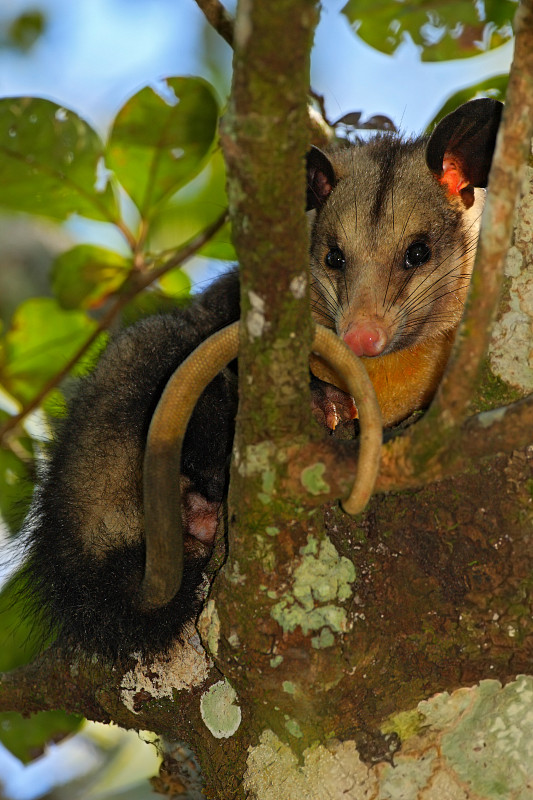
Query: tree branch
501	430
490	433
130	693
218	17
512	147
47	684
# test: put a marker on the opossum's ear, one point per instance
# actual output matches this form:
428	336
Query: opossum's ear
459	151
320	178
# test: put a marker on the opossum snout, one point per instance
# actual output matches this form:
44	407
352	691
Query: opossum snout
366	339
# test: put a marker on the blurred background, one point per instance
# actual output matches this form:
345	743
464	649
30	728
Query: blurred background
91	56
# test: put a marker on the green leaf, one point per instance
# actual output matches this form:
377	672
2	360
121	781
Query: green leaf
192	209
495	88
159	141
176	283
49	162
21	635
27	738
15	486
444	29
220	246
41	340
85	276
21	640
26	29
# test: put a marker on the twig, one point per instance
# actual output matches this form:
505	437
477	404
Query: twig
188	250
131	287
218	17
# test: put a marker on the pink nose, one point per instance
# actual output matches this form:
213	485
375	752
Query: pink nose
366	340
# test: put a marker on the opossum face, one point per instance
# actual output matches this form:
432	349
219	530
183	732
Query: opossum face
395	231
392	249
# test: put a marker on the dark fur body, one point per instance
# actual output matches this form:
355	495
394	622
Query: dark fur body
87	549
372	204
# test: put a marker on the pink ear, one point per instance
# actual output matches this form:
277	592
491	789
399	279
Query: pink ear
453	176
459	151
322	184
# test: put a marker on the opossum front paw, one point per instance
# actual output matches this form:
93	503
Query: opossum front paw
330	405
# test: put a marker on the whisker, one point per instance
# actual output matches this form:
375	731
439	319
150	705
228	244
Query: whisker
332	295
328	309
466	249
324	302
434	300
393	260
354	187
415	298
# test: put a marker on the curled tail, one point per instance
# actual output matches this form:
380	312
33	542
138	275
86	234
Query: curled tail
86	540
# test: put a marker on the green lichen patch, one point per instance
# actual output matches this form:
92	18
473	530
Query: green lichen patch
268	480
219	711
408	778
324	639
321	580
312	479
209	627
476	742
490	418
234	574
499	723
289	687
257	458
264	550
294	728
405	724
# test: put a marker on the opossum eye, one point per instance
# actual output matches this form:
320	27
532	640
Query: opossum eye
335	258
416	255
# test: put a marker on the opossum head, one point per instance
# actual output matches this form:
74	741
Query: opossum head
395	230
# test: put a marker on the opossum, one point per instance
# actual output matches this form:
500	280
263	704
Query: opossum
392	242
393	246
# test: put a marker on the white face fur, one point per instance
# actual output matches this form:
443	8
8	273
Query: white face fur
392	249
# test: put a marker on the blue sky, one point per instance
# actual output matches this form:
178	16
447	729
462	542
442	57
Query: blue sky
97	52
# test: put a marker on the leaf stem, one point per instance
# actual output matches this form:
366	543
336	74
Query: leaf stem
131	287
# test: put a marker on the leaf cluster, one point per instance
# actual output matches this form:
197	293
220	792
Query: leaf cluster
157	179
441	29
158	159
